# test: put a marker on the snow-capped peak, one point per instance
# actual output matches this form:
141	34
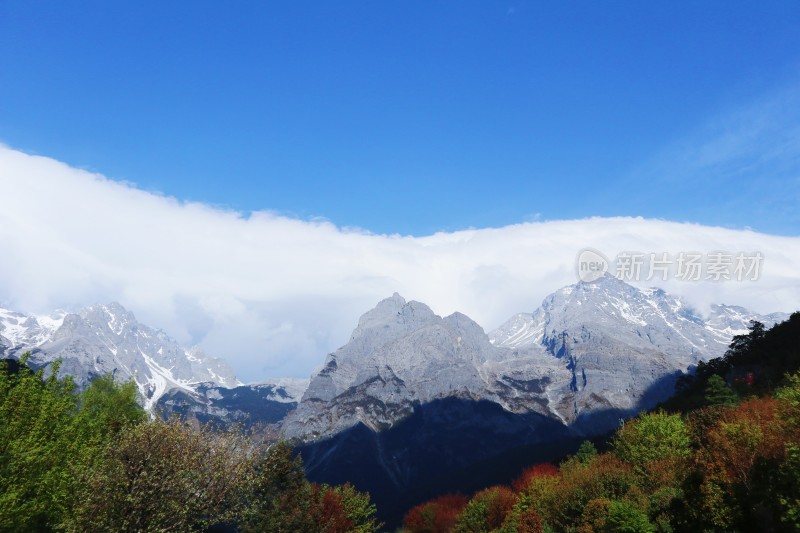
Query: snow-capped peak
106	338
18	329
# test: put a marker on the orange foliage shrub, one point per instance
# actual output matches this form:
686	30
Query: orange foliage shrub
743	435
738	442
529	522
563	503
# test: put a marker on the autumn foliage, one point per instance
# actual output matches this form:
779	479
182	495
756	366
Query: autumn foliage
529	474
487	510
436	516
663	474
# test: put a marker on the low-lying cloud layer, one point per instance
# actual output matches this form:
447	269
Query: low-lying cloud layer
273	294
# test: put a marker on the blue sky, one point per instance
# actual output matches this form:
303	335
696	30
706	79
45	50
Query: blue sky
417	117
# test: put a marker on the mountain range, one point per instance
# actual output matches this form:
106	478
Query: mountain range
414	400
590	348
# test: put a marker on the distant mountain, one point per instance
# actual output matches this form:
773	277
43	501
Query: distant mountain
171	379
415	400
258	408
107	339
399	355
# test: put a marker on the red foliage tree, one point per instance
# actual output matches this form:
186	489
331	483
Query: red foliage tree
538	470
330	513
435	516
529	522
743	435
499	501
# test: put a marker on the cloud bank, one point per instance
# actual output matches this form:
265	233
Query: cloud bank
273	295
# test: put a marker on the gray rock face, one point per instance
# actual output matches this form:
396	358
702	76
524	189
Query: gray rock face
107	339
591	353
399	355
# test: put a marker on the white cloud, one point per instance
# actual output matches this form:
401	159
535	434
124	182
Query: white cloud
273	295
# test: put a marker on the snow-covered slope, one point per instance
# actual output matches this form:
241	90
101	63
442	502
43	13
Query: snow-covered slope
622	346
666	322
17	329
284	390
107	339
590	353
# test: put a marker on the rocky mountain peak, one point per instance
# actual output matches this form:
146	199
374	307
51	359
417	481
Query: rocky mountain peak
400	354
393	314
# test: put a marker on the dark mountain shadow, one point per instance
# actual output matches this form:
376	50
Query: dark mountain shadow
456	445
249	407
446	445
601	421
9	366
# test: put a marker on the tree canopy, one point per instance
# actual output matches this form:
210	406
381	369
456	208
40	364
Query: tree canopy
93	461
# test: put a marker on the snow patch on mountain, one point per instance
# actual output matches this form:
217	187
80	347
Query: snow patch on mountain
284	390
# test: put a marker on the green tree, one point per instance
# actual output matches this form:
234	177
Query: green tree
523	518
788	491
487	510
281	499
37	443
50	436
563	504
586	452
358	509
624	517
652	437
473	519
107	407
718	392
94	462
